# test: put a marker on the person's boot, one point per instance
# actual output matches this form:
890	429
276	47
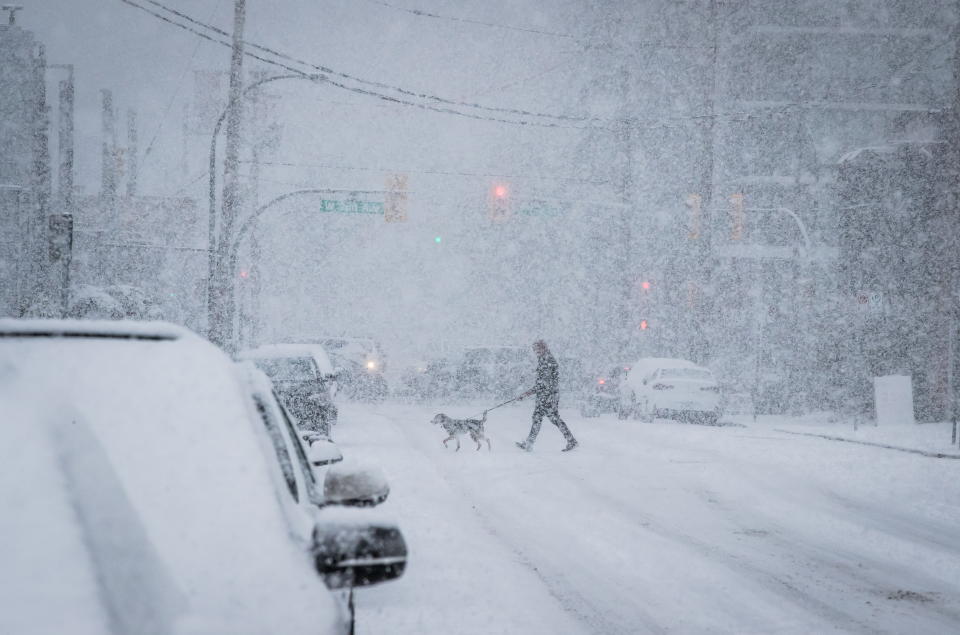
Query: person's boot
525	446
572	443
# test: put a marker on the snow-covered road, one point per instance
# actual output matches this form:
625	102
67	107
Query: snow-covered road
664	527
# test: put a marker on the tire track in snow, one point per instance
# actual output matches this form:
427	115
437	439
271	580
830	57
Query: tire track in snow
567	596
712	552
875	581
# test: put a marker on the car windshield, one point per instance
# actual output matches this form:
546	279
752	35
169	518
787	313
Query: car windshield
685	373
288	368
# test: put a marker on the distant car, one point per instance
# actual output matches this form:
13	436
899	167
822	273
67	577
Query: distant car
142	496
314	453
495	371
363	364
603	396
575	382
433	379
304	379
669	388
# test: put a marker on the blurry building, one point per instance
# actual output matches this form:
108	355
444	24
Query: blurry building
735	121
158	245
24	169
898	231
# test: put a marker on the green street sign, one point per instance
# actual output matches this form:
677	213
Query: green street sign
351	207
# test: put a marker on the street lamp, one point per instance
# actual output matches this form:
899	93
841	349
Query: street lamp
234	246
213	302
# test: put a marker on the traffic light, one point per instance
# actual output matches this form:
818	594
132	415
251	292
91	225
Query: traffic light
736	216
644	325
498	203
244	274
693	202
395	199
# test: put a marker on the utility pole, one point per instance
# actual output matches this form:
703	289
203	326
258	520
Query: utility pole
953	292
702	335
625	262
132	153
221	328
61	223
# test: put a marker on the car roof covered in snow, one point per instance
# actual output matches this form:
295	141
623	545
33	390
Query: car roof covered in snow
279	351
133	454
121	329
650	364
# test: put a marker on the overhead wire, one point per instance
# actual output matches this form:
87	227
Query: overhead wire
380	85
425	14
176	93
333	166
328	80
633	123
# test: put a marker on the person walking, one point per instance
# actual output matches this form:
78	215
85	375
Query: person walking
547	390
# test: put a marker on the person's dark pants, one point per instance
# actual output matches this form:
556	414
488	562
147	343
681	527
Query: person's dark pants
550	408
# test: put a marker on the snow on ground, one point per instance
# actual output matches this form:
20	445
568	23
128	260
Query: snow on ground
655	528
925	437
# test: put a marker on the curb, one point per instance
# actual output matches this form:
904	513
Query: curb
935	455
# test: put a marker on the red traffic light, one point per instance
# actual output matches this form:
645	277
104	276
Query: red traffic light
643	325
645	285
500	191
244	274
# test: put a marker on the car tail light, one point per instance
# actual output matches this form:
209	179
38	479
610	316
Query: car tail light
711	388
662	387
601	381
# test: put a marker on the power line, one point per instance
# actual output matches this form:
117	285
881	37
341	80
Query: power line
176	93
354	89
425	14
333	166
396	100
375	84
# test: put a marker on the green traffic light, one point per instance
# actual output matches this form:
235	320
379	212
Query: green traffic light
437	240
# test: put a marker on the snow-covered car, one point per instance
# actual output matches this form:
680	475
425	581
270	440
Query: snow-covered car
604	394
305	381
140	494
431	379
362	363
327	479
495	371
669	388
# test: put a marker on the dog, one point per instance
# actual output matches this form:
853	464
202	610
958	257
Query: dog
457	427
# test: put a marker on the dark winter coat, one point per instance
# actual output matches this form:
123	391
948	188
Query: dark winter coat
547	386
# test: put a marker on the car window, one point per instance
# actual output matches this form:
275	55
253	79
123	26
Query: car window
280	447
288	368
305	469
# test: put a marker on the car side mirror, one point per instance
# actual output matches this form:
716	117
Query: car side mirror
350	550
355	486
323	451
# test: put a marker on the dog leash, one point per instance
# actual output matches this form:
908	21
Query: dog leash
504	403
